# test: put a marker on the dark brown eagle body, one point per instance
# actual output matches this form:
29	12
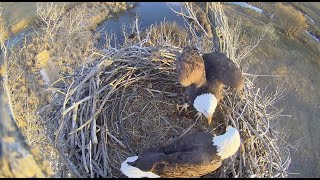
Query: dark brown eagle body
219	67
191	156
205	76
207	73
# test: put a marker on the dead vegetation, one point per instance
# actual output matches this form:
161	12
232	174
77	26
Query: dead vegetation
63	36
168	33
290	20
162	34
124	101
17	159
70	39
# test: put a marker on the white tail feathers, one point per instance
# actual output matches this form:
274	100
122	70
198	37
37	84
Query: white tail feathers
133	172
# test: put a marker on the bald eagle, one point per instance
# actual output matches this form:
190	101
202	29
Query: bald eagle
204	76
192	155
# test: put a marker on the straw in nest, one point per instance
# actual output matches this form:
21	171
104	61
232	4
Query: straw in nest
127	102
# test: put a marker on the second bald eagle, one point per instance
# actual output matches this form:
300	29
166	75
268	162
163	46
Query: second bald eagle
204	76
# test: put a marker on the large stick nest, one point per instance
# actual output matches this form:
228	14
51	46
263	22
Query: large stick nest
127	102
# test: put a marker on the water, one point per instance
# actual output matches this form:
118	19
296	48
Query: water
313	36
309	18
246	5
156	12
17	38
148	13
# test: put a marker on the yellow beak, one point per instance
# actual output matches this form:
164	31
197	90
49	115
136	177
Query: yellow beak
209	119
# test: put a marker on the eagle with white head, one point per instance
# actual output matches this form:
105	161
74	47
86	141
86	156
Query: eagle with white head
204	76
192	155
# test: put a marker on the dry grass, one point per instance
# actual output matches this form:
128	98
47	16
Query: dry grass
168	33
281	70
127	102
63	34
290	20
18	27
69	34
4	34
163	34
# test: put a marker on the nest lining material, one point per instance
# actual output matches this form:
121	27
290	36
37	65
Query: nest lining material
127	102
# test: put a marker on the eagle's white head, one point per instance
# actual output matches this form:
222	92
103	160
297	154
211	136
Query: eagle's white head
206	104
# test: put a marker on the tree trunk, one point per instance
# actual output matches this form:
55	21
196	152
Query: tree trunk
17	159
215	29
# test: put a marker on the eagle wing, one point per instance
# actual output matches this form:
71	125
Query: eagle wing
188	164
190	67
188	156
219	67
187	142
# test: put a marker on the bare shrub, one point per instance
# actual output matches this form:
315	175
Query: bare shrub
70	34
290	20
163	34
67	36
168	33
251	31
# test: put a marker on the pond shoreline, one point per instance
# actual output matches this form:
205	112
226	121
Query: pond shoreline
28	31
16	39
147	14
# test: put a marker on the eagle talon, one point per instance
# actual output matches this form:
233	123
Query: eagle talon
241	95
183	107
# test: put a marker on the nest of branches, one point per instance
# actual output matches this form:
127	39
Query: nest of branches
126	102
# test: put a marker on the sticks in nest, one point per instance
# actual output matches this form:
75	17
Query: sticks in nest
125	103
